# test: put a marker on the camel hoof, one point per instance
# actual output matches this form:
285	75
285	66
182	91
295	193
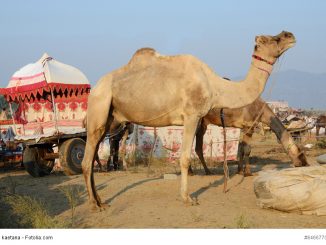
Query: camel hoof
191	173
247	174
188	201
96	208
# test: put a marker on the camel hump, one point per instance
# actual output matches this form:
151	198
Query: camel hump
148	51
143	55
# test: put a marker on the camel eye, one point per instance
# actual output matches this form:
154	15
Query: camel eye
287	35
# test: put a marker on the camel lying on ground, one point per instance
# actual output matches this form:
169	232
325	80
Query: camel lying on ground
247	118
156	90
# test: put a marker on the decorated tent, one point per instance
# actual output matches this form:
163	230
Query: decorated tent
169	139
165	143
51	97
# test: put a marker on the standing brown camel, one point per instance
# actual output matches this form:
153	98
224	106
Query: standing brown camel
320	123
156	90
247	119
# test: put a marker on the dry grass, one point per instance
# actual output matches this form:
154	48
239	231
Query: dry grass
73	195
28	212
23	211
242	222
321	144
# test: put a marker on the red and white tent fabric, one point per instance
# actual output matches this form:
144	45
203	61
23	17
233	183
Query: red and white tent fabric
168	143
39	86
169	140
44	75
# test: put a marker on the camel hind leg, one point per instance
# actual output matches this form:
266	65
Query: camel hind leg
199	147
99	103
244	155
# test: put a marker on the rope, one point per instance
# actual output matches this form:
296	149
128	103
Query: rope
269	94
119	130
225	162
162	115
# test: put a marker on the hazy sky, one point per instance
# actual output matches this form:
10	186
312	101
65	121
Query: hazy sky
99	36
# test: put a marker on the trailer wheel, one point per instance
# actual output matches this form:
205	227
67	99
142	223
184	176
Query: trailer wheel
34	162
71	154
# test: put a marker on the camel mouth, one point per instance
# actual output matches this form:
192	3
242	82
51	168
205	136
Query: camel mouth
289	45
286	46
292	44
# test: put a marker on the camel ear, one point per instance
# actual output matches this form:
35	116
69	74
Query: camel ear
261	39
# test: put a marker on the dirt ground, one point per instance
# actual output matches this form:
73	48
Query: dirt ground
142	198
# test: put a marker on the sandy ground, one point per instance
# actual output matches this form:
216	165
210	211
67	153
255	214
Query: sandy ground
139	198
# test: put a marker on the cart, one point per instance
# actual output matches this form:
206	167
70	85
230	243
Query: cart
48	103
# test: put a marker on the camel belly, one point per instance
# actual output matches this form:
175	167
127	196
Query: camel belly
158	95
146	119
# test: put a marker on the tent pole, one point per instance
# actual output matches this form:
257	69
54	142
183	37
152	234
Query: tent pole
53	105
54	111
21	104
13	117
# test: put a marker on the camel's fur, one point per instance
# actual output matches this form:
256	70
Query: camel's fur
247	118
156	90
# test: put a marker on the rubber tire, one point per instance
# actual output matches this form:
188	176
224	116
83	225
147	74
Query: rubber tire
70	156
34	164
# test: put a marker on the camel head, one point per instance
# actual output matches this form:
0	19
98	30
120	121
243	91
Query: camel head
271	47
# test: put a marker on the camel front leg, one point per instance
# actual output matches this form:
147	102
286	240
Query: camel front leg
189	131
199	147
92	143
244	154
123	149
114	145
114	153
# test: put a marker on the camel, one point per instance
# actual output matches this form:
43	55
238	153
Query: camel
320	123
122	136
247	118
157	90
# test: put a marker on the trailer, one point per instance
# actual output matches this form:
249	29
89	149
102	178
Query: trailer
48	103
39	155
10	151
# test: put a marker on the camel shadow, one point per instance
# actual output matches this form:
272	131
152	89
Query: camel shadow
201	190
257	165
128	187
216	183
105	184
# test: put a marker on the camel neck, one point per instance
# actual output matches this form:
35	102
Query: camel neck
259	71
242	93
262	64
